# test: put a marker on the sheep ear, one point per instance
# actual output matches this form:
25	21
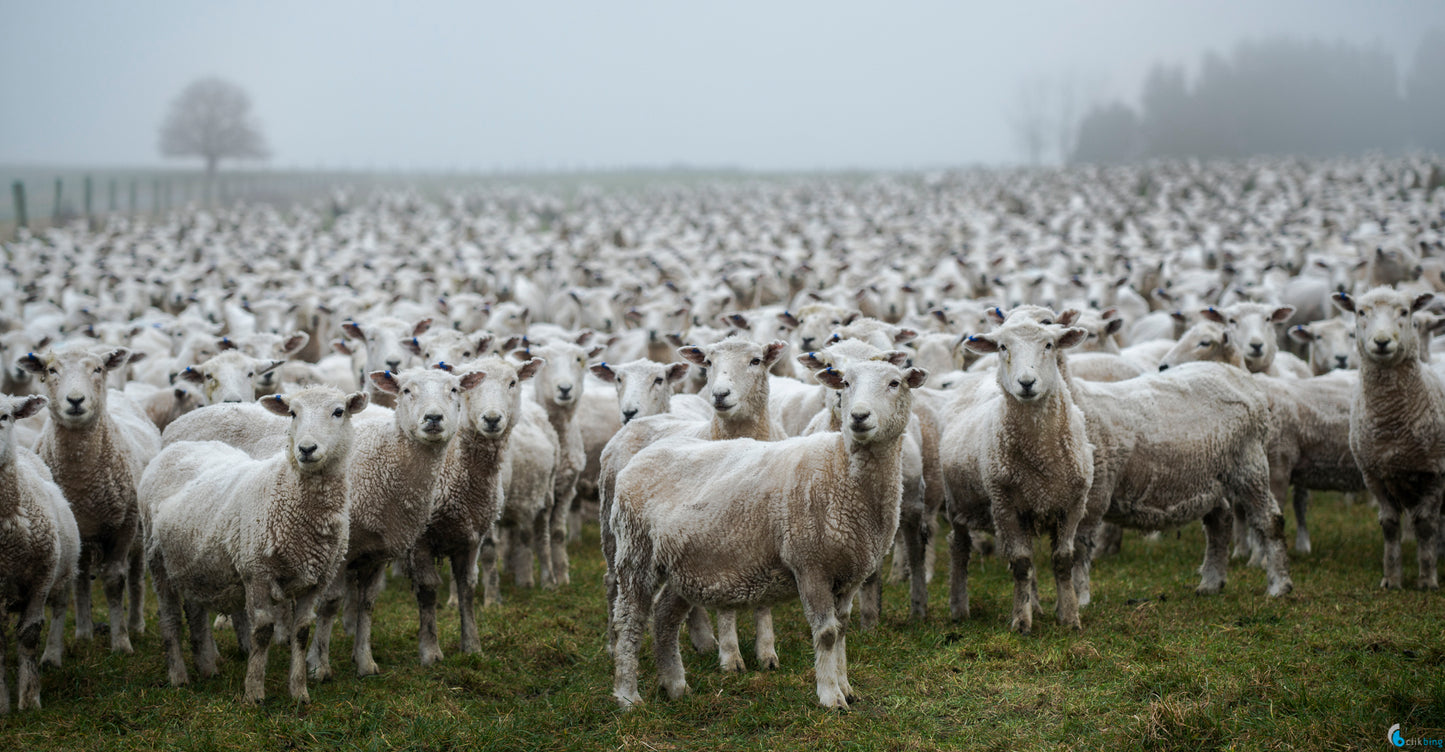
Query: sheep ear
341	347
1212	314
596	351
1281	314
996	315
850	318
896	357
584	337
812	361
137	356
470	380
692	354
529	369
981	344
276	404
295	342
1422	301
1072	336
385	381
904	335
604	372
1301	334
521	353
225	343
353	330
411	345
483	343
30	406
915	377
1068	317
513	342
270	365
677	372
773	351
831	378
356	402
939	314
32	363
789	320
1343	302
421	327
115	358
672	339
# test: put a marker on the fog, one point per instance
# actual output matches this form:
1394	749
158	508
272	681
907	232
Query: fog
553	86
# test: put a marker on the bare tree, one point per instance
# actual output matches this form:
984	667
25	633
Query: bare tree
1030	118
211	119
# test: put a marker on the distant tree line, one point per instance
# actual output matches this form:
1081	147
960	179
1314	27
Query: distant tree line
1277	96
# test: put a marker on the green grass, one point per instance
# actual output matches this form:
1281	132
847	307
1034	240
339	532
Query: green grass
1331	666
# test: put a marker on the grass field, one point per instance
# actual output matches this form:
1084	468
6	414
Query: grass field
1331	666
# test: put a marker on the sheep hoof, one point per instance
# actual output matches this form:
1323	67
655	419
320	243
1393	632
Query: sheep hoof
1387	584
1429	586
1282	588
628	702
733	664
836	702
1302	545
768	662
50	658
1212	588
678	692
699	644
370	669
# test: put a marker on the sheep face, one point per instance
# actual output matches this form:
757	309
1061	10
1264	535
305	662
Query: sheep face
493	406
383	339
560	380
319	433
74	376
1252	327
272	316
508	318
15	346
448	346
1331	343
658	319
814	323
228	377
1028	356
1102	326
644	387
876	400
13	409
1384	332
1206	341
269	346
736	370
428	401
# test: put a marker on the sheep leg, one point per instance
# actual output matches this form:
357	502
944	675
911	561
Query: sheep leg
820	607
1301	508
27	639
135	581
318	655
203	643
1216	551
4	661
115	560
425	581
870	598
84	624
898	569
60	595
1427	527
844	605
542	547
369	581
930	546
560	566
763	645
1066	606
960	547
915	539
574	518
1016	545
630	612
667	616
1241	533
729	655
261	613
466	577
299	615
491	577
241	623
699	627
519	556
1111	539
1268	523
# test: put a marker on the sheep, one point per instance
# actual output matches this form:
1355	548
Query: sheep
228	377
743	522
737	388
268	346
1017	459
96	442
468	497
39	554
1331	344
384	339
644	386
1252	327
164	404
1397	426
259	536
529	471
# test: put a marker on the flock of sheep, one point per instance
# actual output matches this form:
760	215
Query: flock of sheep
766	386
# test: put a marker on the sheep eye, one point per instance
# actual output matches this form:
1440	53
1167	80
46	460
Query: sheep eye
1047	322
513	385
337	413
406	391
4	418
52	371
893	384
1003	348
657	381
466	353
250	374
705	364
756	362
1206	343
1232	322
98	369
1048	345
1092	336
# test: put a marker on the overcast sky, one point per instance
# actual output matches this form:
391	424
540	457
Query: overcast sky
769	84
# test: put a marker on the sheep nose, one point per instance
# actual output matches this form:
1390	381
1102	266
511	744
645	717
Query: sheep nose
564	390
1381	344
860	416
75	401
1163	366
393	365
432	417
718	395
1257	347
1342	361
628	415
492	419
306	451
1028	383
808	343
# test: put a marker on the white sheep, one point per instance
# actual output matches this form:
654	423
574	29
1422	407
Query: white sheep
1397	426
39	554
262	537
742	522
96	443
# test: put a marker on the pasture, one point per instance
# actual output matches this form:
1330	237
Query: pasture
1331	666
